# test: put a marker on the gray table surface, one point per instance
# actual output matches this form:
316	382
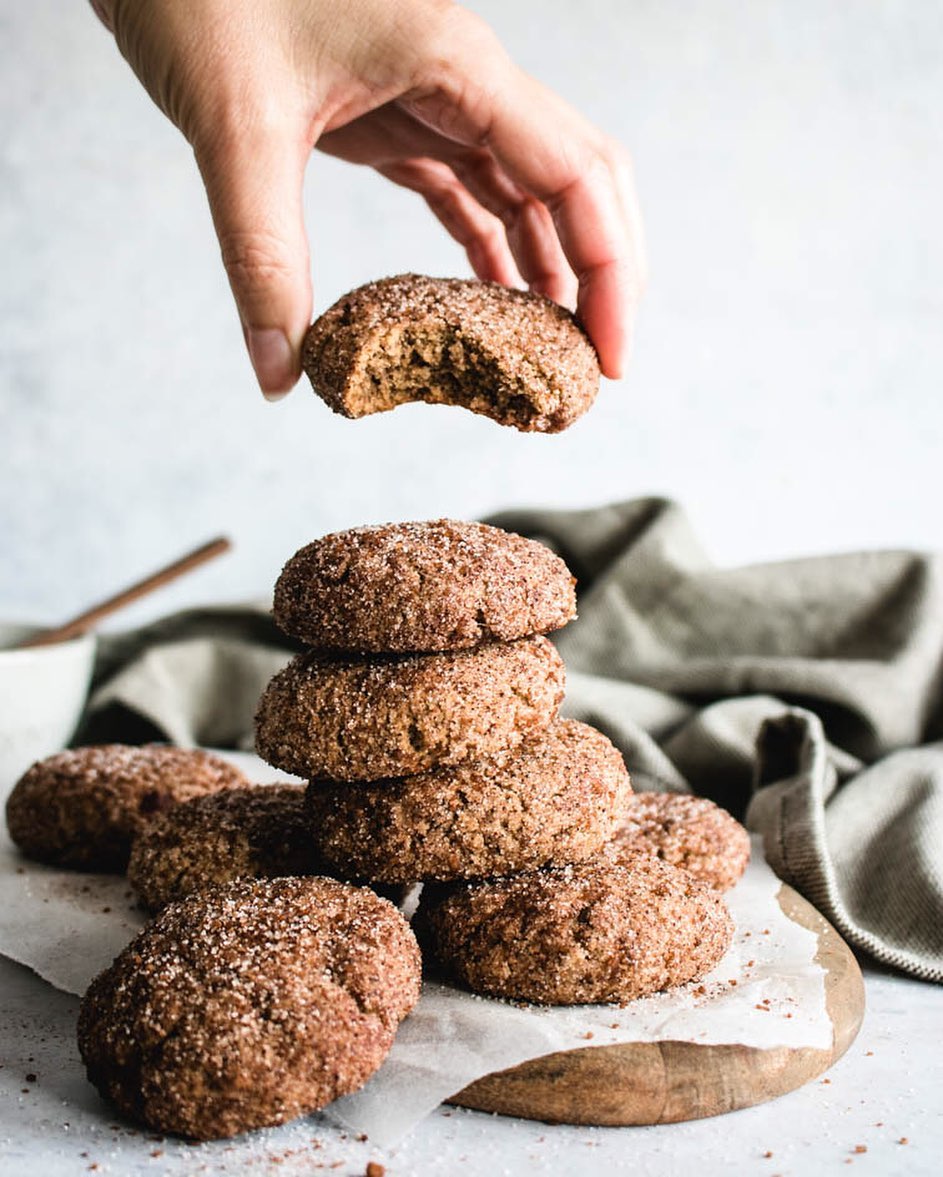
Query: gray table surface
884	1097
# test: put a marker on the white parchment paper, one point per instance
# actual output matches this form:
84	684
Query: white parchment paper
767	991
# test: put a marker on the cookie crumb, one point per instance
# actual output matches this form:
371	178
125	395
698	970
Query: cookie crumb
374	1169
904	1140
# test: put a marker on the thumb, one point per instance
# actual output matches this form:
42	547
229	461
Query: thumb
254	185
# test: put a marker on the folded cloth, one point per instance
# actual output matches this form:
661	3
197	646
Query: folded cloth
804	696
193	678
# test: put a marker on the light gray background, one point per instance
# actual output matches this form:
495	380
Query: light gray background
786	386
786	383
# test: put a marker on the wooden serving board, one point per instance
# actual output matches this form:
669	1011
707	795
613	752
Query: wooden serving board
664	1082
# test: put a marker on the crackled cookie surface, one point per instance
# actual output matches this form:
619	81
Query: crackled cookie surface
691	832
258	831
553	800
592	932
249	1005
507	354
440	584
83	807
363	719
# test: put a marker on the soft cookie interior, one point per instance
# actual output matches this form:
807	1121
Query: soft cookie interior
439	363
510	355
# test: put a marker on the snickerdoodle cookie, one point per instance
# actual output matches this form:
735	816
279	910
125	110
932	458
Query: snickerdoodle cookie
592	932
248	1005
258	831
510	355
686	831
553	800
83	807
357	719
436	585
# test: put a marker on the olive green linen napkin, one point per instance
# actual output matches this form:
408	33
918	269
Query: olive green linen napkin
805	695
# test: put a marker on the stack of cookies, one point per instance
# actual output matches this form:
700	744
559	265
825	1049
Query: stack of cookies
424	714
425	717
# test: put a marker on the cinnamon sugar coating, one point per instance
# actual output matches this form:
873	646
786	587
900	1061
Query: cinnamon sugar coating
593	932
365	719
553	800
690	832
83	807
249	1005
510	355
436	585
259	831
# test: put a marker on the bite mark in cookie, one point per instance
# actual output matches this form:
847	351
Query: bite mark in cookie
510	355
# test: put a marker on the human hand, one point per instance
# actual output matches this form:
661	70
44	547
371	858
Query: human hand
420	90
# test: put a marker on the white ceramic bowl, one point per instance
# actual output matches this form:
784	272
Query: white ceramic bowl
42	692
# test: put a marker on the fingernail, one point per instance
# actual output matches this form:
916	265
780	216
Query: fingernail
273	361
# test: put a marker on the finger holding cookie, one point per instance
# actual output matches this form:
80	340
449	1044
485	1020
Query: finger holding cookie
423	92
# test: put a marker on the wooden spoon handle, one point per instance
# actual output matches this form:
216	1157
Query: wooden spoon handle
85	621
